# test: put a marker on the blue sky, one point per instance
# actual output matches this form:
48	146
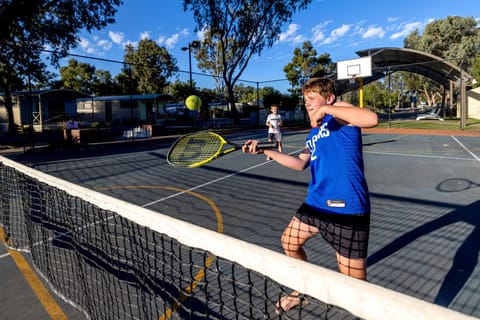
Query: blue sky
339	28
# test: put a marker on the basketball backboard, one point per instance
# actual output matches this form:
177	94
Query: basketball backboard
354	68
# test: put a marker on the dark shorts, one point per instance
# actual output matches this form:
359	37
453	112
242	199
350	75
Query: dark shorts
347	234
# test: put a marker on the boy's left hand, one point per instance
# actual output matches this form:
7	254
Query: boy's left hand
316	116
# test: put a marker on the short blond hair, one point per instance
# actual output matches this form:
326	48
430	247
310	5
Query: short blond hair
323	86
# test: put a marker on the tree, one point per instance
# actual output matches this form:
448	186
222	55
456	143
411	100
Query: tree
179	90
78	76
455	39
86	78
104	84
245	93
28	26
270	96
147	68
239	29
305	64
476	70
375	95
209	60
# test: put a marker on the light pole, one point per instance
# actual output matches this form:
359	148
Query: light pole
194	44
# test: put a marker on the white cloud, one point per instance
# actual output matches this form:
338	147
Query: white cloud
160	40
130	43
373	32
172	40
289	35
144	35
83	43
337	33
299	39
86	45
405	29
117	37
318	32
201	33
168	42
104	44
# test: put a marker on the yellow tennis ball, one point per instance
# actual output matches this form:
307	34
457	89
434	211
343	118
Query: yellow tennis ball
193	102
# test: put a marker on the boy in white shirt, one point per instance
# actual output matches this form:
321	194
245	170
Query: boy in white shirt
274	122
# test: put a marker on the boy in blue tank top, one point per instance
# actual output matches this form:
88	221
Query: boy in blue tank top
337	205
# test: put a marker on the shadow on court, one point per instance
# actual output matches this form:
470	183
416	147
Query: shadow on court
465	259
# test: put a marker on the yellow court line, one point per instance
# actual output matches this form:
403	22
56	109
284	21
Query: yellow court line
201	273
35	283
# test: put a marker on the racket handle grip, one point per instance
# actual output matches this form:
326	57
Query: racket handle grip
267	145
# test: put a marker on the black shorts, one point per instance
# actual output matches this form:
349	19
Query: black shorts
347	234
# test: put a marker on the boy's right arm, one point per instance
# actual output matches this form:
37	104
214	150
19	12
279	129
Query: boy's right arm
299	162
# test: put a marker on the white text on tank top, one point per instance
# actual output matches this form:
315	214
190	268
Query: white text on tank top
323	132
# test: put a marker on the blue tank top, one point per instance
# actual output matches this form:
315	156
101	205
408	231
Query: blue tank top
338	182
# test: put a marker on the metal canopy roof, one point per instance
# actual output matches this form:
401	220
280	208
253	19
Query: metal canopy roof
386	60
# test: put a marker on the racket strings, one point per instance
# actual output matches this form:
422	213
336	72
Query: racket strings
191	150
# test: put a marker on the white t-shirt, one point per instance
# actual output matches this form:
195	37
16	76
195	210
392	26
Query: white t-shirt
275	120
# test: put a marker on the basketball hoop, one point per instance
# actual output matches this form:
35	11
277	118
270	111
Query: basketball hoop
354	68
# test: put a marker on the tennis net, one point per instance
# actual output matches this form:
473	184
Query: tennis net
115	260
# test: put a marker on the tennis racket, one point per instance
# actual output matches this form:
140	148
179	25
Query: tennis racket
196	149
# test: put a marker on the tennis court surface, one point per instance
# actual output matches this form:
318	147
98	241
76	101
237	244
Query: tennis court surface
425	236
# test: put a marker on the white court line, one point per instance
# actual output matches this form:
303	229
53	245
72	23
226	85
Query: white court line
466	149
157	201
116	156
210	182
416	155
263	163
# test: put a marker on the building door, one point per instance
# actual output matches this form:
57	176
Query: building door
108	111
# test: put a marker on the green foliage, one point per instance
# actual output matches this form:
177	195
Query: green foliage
271	96
237	30
476	70
454	38
246	94
27	27
376	95
179	90
305	64
78	76
104	84
147	68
